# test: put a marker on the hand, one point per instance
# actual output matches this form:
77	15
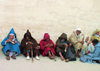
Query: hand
70	44
88	52
37	47
30	42
50	45
89	43
8	41
66	46
82	42
16	41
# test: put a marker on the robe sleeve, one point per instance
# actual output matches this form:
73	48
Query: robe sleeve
3	43
72	39
35	43
68	42
23	44
59	44
95	53
42	46
53	44
92	38
17	41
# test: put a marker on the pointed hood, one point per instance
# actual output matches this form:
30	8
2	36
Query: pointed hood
11	32
28	34
46	36
63	35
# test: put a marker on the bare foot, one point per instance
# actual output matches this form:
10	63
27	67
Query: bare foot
62	58
51	57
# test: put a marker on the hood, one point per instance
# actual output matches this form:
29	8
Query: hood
28	34
46	36
97	30
11	32
63	35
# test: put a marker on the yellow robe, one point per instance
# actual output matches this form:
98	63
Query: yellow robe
95	37
74	39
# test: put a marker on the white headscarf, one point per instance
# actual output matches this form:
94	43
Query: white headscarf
11	34
14	36
78	29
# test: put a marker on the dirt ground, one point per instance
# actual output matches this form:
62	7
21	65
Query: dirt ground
44	64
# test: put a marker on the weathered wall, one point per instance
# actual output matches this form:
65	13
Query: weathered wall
52	16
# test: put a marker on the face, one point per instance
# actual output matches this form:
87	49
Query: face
11	37
98	33
63	39
78	32
27	37
94	44
87	38
47	39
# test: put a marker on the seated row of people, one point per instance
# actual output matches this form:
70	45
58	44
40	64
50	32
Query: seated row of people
68	50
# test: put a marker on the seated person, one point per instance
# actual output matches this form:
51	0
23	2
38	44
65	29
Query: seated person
96	35
88	46
89	57
47	47
63	48
11	45
29	46
76	39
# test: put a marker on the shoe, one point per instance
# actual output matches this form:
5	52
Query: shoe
8	57
67	60
27	58
37	58
13	56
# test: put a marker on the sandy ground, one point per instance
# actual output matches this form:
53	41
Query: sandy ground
44	64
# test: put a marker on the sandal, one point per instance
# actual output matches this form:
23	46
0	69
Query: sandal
13	56
8	57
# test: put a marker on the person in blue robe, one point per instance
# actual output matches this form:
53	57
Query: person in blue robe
11	46
92	56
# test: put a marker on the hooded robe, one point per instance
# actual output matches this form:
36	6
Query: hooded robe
44	51
26	47
9	45
94	36
61	48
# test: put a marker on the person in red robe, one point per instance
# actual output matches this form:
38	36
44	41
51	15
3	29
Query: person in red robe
47	47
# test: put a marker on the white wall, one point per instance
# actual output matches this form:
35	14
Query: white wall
52	16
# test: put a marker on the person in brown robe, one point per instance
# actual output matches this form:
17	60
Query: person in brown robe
29	45
63	48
